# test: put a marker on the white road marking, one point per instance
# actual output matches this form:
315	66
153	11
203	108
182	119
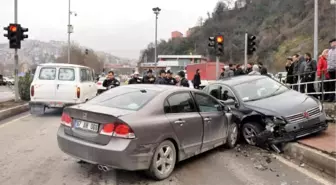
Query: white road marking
12	121
302	170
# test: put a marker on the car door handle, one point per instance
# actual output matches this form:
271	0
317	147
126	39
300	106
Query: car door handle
181	122
57	86
207	119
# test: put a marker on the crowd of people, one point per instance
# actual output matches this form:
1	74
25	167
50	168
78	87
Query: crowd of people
236	70
164	78
303	72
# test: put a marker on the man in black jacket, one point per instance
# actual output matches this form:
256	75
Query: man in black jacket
162	78
184	82
110	82
197	79
149	78
169	78
135	79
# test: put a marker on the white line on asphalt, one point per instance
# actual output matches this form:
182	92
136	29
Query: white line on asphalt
302	170
12	121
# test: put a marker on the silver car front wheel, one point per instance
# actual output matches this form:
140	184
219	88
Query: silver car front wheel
163	161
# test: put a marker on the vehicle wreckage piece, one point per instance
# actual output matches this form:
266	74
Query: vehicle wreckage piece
273	134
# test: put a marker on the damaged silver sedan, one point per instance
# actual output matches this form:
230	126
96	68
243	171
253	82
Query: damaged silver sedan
269	112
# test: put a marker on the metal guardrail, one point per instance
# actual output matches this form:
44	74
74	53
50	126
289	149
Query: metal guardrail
300	81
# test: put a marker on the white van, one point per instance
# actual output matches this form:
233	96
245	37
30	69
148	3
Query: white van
57	85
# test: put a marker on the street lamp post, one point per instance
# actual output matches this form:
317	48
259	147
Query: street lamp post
70	29
316	30
156	11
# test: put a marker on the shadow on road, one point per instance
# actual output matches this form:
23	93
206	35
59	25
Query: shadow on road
140	177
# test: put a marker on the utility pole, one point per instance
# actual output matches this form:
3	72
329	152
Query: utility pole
69	31
16	57
217	67
156	11
316	30
333	2
245	51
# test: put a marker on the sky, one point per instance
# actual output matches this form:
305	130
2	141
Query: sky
121	27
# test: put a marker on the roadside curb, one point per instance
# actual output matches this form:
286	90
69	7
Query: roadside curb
312	157
4	114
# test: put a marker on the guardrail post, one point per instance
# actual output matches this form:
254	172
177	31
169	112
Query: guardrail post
299	83
322	87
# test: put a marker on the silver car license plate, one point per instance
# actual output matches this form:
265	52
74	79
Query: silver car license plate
93	127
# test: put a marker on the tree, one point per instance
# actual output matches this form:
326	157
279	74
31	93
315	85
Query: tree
79	57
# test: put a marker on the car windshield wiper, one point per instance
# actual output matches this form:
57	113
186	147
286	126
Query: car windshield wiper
275	92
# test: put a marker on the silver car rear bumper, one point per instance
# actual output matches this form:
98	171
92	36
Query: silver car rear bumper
118	153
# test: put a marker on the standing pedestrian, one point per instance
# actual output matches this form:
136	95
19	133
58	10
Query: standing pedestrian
183	82
197	79
332	69
169	78
255	70
309	74
149	78
322	72
290	69
135	79
162	78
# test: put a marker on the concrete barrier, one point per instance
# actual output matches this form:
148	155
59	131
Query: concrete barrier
6	113
311	157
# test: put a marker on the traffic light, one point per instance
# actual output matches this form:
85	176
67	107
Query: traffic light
220	44
15	34
22	33
212	43
86	51
251	44
12	35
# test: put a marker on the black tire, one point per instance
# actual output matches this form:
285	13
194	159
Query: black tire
233	136
154	170
255	129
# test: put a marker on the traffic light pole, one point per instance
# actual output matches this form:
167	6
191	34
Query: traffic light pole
217	67
69	32
16	57
245	51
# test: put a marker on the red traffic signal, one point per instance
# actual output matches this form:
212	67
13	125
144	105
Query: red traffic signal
13	28
219	39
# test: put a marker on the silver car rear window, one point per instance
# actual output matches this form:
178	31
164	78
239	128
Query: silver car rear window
124	98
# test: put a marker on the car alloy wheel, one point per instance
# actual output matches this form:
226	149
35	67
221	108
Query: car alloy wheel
233	135
163	161
250	135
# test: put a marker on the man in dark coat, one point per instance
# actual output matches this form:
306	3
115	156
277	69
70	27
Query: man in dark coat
197	79
169	78
149	78
162	78
135	79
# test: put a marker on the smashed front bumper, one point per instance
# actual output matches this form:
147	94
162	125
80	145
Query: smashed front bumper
292	131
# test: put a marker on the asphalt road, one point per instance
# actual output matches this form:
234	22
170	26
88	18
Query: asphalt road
6	93
29	155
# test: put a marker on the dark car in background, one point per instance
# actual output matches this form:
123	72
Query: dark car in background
268	110
145	127
2	82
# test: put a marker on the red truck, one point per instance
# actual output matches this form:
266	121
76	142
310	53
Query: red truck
208	71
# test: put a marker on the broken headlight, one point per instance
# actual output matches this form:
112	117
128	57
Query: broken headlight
273	121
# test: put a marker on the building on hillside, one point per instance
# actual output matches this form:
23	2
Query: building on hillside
176	34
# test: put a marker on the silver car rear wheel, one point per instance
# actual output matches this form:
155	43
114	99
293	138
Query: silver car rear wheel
163	161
